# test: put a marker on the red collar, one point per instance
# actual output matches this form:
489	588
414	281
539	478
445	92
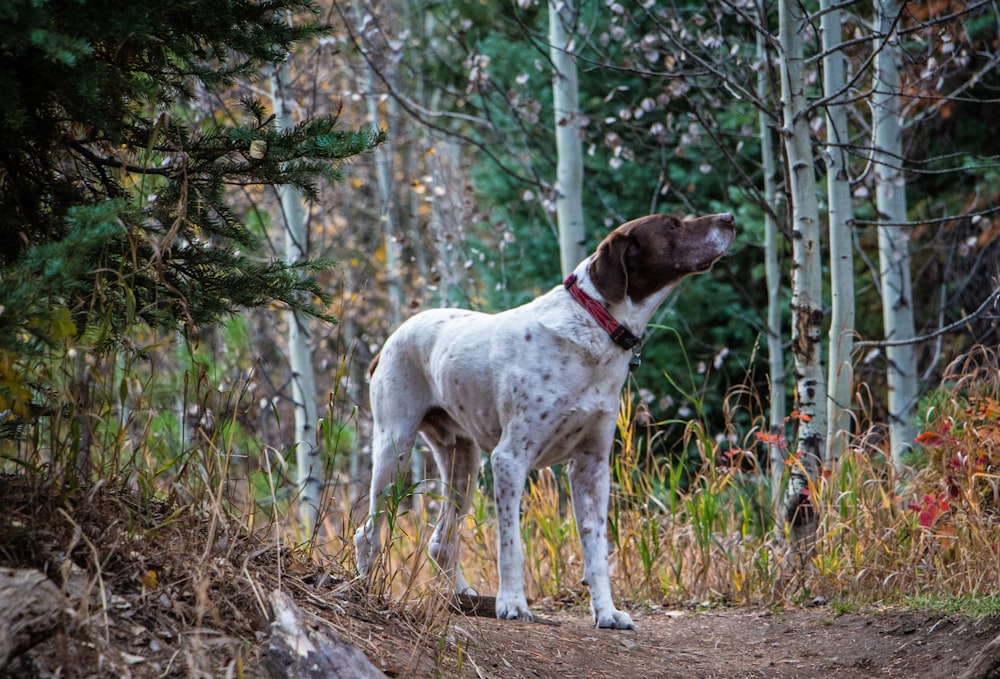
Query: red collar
621	335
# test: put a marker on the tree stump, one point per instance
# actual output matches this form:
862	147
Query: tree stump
296	650
33	609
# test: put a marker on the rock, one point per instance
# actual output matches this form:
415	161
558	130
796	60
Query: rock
33	610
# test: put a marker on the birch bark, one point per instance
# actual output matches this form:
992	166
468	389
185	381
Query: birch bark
300	352
893	240
772	270
807	303
569	147
841	221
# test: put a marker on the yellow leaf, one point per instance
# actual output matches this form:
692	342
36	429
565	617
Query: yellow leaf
148	579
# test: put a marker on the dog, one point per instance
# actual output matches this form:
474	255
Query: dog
535	385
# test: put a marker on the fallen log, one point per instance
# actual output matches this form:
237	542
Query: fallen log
296	650
476	606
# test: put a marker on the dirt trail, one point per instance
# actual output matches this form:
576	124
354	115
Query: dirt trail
726	644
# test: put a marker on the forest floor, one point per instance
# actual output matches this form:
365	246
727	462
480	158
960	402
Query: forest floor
726	643
154	592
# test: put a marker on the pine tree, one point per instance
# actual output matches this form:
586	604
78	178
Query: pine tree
113	193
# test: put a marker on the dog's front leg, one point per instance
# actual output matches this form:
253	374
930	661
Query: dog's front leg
590	486
510	470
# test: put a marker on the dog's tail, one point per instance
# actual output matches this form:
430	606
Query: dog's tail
373	364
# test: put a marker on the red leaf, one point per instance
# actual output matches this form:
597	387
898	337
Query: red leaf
927	516
766	437
929	438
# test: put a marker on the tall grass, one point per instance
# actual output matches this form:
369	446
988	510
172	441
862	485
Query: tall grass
708	535
696	529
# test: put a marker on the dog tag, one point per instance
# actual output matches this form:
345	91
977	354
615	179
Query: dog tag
634	364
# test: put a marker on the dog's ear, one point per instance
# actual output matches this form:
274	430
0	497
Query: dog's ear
607	268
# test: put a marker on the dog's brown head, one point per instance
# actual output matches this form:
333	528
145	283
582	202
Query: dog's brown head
647	254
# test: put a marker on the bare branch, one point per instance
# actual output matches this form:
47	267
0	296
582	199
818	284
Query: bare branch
951	327
426	116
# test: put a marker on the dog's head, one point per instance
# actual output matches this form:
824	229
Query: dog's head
647	254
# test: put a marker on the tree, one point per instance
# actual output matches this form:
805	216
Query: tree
772	265
569	148
670	106
300	349
807	288
113	205
893	238
840	213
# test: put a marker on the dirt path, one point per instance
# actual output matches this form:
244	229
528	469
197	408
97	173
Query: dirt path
726	644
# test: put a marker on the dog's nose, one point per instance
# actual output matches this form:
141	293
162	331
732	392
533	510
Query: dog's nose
727	218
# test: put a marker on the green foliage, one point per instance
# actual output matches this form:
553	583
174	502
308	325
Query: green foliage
115	194
113	206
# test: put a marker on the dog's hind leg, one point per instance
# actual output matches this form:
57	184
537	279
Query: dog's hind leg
390	455
458	462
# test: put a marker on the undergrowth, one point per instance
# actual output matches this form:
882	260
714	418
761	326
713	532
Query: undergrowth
710	538
202	492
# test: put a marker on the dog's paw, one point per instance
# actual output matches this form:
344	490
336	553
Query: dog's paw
463	588
364	551
466	590
513	608
615	620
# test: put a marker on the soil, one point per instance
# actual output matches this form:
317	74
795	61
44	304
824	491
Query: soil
675	644
727	644
156	591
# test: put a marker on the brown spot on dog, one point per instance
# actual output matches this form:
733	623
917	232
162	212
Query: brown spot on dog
647	254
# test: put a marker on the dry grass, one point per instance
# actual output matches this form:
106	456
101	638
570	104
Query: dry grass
711	538
191	543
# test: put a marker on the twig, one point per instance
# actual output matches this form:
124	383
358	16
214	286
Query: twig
937	333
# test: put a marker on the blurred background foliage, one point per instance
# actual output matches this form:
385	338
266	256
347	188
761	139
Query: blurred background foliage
140	306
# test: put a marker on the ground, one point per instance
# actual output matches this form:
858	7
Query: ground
156	590
726	643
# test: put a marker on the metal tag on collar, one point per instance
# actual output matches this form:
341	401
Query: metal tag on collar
635	361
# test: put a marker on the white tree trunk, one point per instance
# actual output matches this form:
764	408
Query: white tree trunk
569	147
841	216
300	352
807	302
893	241
385	182
772	270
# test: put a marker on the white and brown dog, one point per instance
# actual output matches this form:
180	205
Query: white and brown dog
535	385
